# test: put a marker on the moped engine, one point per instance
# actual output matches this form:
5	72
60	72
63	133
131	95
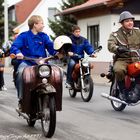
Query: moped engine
134	94
76	72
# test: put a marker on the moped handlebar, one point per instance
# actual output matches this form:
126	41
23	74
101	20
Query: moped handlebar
134	52
37	60
97	50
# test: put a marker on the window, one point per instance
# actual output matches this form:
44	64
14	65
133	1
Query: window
51	13
11	15
93	35
137	23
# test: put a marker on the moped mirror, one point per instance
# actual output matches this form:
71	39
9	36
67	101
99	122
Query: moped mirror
98	49
12	56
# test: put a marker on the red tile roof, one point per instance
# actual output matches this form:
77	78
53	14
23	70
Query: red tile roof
24	9
90	4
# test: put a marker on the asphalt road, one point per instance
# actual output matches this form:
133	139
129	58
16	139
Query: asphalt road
95	120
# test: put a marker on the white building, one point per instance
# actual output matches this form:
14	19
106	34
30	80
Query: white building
97	19
46	9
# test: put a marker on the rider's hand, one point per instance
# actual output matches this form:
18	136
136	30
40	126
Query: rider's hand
70	53
122	49
59	55
19	56
93	55
42	61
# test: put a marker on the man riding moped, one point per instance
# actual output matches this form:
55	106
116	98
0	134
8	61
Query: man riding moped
38	81
32	43
79	46
126	38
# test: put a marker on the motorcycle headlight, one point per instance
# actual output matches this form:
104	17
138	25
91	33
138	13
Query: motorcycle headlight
44	71
85	64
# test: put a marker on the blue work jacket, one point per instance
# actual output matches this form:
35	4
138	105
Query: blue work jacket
31	45
81	45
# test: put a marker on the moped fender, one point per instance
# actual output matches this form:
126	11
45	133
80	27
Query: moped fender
50	89
46	89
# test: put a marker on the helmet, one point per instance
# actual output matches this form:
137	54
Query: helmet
60	41
125	15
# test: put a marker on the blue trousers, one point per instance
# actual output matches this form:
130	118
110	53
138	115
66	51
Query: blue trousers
71	64
19	79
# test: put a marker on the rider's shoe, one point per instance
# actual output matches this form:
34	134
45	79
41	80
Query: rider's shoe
3	88
68	85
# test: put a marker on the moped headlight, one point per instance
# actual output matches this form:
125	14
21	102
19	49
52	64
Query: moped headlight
44	71
85	64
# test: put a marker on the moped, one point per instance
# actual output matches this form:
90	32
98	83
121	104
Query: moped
82	80
133	72
42	94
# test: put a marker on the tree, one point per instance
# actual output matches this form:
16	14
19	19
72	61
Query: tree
63	24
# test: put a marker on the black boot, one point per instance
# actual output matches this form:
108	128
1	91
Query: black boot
20	105
123	90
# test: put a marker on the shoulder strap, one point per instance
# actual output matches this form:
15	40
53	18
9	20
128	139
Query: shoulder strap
116	36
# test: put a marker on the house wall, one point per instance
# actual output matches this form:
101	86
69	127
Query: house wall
103	56
105	28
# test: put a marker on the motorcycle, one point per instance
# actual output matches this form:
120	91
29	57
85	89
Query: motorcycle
133	72
42	94
82	80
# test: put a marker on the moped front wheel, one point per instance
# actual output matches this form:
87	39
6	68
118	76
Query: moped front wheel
114	91
87	92
48	120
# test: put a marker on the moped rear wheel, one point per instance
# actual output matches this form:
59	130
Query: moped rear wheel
114	91
48	120
87	92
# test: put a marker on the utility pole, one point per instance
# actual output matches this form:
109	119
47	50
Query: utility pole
6	32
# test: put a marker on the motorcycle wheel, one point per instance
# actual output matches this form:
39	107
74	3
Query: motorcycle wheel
87	93
48	120
72	93
114	91
31	122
